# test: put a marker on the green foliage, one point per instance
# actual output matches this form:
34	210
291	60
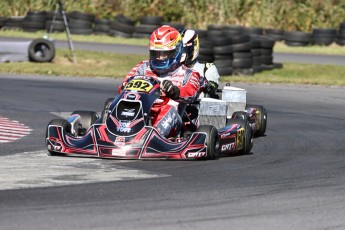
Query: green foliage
301	15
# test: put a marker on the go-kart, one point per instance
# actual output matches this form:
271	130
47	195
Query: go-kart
124	130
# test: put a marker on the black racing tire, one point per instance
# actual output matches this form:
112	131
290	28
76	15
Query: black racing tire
58	25
83	31
248	139
211	140
244	54
102	21
59	122
221	41
41	50
223	63
248	134
262	119
297	36
79	24
223	50
225	71
87	118
119	26
266	59
82	16
201	33
116	33
125	20
145	28
205	58
151	20
223	57
241	115
242	63
106	107
246	46
101	28
241	39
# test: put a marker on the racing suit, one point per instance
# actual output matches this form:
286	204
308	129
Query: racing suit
208	71
164	113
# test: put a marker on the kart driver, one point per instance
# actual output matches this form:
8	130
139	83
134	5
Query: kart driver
208	70
178	82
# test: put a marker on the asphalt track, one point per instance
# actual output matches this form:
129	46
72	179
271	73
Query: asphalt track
294	177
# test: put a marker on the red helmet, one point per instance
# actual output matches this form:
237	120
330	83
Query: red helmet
165	49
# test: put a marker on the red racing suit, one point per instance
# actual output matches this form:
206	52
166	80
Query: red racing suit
164	113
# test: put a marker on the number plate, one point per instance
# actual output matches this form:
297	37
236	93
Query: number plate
139	85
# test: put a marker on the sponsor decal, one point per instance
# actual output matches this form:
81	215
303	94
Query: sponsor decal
225	135
228	147
166	122
118	152
214	108
132	96
123	127
197	154
119	141
128	112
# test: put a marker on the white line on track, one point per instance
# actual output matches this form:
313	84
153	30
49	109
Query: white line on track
11	130
37	169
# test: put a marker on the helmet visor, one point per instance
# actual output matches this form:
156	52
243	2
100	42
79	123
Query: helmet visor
162	55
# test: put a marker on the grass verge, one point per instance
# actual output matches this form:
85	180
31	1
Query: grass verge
106	64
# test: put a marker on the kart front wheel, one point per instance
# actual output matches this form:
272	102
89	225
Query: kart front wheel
262	119
106	107
211	140
57	122
87	118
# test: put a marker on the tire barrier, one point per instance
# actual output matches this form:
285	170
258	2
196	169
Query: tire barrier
147	25
236	50
38	50
121	26
81	23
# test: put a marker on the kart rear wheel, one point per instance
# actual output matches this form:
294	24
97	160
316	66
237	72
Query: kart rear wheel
58	122
211	140
248	139
248	134
240	115
262	119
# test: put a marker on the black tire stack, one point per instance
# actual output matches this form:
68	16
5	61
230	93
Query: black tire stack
58	24
267	45
34	21
13	23
205	47
297	38
122	26
242	56
101	26
275	34
256	52
222	50
323	37
147	25
2	21
341	35
81	23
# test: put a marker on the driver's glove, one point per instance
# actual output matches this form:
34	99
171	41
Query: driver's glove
211	88
170	89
